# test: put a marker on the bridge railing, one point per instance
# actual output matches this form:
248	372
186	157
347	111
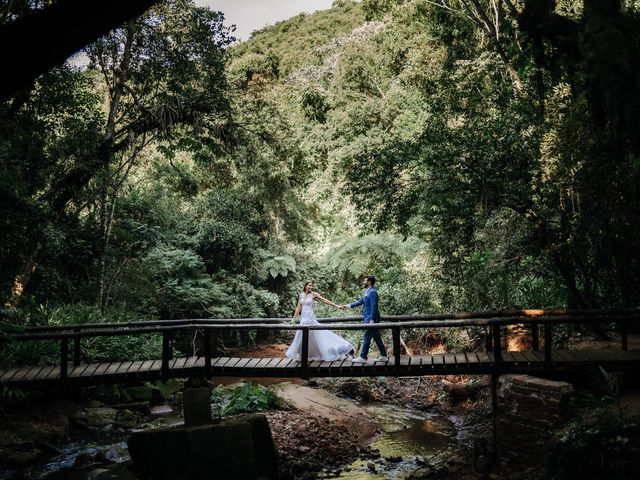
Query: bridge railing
490	321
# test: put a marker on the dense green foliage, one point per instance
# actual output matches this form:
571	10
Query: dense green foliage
245	398
470	158
601	439
605	445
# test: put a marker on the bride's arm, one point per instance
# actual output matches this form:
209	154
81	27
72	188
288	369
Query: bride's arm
324	300
296	311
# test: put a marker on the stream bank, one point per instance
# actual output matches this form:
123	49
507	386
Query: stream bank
319	435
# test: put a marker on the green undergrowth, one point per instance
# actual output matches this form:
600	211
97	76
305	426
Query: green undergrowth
245	398
601	440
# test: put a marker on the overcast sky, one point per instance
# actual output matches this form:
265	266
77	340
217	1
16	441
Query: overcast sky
250	15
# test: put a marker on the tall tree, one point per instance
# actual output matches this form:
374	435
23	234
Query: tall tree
164	79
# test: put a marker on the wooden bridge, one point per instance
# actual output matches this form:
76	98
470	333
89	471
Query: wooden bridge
71	371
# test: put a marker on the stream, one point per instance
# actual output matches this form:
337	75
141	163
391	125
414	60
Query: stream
90	458
407	437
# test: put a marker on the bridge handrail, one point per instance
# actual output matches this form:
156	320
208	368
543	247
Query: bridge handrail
528	313
211	327
397	323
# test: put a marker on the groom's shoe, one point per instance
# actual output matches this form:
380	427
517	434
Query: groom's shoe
359	360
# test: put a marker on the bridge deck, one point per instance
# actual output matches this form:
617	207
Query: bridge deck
438	364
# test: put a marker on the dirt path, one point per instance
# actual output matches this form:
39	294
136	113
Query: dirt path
321	403
319	432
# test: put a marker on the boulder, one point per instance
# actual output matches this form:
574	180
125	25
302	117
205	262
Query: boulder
241	449
141	393
459	392
96	418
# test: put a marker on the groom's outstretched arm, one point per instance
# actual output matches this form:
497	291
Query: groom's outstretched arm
357	303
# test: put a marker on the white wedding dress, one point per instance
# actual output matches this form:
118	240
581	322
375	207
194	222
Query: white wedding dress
323	344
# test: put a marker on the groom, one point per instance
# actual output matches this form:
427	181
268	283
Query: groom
371	315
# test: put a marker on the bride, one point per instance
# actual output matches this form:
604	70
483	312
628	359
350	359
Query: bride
323	344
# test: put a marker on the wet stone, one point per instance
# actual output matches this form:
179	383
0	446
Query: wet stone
96	417
99	474
83	460
161	409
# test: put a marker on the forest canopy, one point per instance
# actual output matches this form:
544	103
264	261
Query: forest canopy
472	154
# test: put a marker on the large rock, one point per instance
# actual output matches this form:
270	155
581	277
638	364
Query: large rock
241	449
96	418
141	393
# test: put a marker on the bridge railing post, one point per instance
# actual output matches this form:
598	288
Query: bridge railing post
535	336
64	359
487	338
76	349
548	340
623	335
166	353
214	343
395	333
305	353
207	352
497	347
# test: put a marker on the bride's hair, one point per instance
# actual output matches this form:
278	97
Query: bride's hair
304	287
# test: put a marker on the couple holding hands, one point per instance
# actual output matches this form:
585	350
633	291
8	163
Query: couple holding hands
326	345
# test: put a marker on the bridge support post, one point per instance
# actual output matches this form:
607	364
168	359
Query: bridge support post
494	413
395	332
305	354
548	340
623	335
214	342
487	338
64	359
535	336
196	403
207	353
166	354
497	347
76	348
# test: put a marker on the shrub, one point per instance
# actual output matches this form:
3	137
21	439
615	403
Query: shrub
243	399
605	444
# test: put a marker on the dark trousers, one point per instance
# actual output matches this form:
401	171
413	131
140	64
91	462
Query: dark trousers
366	341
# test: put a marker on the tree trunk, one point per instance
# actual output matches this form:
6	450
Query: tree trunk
66	190
575	299
102	255
475	11
21	280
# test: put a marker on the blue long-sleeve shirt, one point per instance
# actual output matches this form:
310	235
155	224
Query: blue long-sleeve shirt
370	302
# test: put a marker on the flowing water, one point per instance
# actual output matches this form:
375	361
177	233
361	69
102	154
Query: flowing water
85	459
407	439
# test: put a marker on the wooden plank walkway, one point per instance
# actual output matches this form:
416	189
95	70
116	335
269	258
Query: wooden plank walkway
438	364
